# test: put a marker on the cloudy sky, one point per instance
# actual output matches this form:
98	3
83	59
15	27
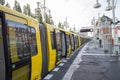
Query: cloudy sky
78	12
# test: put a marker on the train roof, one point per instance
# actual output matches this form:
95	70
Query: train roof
8	11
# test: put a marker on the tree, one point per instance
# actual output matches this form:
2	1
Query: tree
60	25
8	5
49	20
17	7
70	30
74	29
32	15
27	10
2	2
38	15
52	22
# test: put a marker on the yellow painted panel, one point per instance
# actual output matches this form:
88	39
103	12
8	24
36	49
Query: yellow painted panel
79	40
37	59
69	51
52	60
16	19
21	73
52	54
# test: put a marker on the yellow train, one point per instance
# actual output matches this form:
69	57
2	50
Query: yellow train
30	50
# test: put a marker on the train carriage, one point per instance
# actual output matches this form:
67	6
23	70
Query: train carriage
20	46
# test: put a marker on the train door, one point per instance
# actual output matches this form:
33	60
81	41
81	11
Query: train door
16	51
2	49
19	49
60	44
43	37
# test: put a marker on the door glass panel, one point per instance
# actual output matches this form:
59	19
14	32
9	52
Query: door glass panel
63	44
58	41
19	48
59	45
32	41
68	42
72	41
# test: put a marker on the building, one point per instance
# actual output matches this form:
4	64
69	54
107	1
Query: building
104	29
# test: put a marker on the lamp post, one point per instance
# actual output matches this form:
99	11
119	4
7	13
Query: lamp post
114	35
44	12
94	31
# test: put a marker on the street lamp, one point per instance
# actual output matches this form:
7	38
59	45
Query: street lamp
109	7
97	5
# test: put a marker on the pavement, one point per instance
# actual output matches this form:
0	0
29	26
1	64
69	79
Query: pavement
60	70
89	62
92	63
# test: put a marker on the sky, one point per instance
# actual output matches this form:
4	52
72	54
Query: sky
79	13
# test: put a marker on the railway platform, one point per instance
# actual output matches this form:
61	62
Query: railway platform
89	62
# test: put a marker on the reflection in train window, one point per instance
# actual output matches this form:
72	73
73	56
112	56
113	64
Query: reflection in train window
18	41
58	41
32	41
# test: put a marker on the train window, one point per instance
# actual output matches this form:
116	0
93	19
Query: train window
32	41
76	41
18	44
72	41
52	39
58	41
68	41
